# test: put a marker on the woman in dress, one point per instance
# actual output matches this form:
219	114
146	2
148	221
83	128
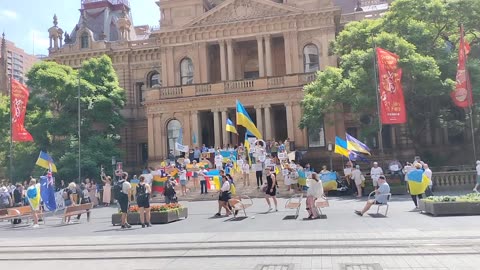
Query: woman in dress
195	169
223	197
314	192
92	189
107	190
271	191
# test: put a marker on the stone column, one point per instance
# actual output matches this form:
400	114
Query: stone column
194	128
288	53
258	109
225	137
290	125
223	64
268	56
164	69
151	136
157	136
268	122
261	58
216	127
295	53
231	69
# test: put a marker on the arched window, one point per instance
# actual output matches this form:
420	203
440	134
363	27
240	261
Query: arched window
311	62
174	128
186	71
154	79
84	38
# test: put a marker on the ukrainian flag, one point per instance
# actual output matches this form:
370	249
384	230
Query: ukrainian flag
243	119
329	181
417	182
33	195
356	145
45	161
230	127
247	147
341	147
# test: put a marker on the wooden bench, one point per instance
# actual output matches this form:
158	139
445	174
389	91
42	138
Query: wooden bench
240	203
20	213
75	210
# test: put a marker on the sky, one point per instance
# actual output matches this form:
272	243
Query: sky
26	22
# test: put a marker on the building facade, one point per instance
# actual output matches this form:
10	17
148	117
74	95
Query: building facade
183	78
14	62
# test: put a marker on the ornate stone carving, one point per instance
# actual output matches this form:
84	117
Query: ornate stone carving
241	10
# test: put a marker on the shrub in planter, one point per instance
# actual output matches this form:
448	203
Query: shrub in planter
160	214
451	205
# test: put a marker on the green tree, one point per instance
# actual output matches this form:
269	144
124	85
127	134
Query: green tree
424	34
52	118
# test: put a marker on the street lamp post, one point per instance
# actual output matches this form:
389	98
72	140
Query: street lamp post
330	150
114	162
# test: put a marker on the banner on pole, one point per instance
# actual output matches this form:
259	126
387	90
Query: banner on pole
181	147
392	102
18	107
462	94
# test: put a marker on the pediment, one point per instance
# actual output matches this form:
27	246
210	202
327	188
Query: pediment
242	10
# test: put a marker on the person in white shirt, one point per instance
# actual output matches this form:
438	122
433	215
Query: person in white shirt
246	174
375	173
478	176
183	180
218	161
314	192
357	178
428	173
223	197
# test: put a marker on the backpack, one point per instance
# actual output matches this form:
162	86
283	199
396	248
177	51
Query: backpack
141	192
117	189
169	189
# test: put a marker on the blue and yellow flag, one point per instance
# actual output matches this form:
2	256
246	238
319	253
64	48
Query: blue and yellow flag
45	161
341	147
356	145
329	181
230	127
417	181
33	196
243	119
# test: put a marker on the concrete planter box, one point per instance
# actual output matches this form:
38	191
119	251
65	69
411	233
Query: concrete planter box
156	217
449	208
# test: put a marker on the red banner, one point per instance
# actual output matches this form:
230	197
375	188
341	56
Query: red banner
462	94
392	102
18	107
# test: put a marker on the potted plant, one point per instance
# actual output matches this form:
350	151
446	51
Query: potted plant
160	214
451	205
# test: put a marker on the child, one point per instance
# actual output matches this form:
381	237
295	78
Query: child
183	180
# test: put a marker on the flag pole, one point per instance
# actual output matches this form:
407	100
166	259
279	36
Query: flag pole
469	93
10	166
79	134
377	96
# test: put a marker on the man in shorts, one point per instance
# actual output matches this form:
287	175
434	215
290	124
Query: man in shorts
380	195
124	200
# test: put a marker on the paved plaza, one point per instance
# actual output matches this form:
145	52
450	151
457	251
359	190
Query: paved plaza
404	240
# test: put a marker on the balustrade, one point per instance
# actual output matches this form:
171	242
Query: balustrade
171	92
454	180
203	89
235	86
276	81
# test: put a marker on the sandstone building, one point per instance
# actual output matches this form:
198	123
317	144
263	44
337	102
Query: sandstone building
185	76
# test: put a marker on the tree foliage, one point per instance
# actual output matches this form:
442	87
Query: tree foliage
425	35
52	118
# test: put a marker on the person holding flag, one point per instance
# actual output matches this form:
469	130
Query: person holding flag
33	195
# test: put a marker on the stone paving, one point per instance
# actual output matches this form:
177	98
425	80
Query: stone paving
404	240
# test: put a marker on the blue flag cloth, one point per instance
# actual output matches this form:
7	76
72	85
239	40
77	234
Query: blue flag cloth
354	156
47	192
194	138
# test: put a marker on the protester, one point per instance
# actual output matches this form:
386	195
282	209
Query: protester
134	183
124	199
478	176
18	200
183	180
143	200
259	173
223	197
203	181
92	189
271	189
34	200
375	173
196	154
428	173
195	169
5	198
324	169
84	198
357	178
314	192
169	191
380	195
246	174
417	196
107	190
